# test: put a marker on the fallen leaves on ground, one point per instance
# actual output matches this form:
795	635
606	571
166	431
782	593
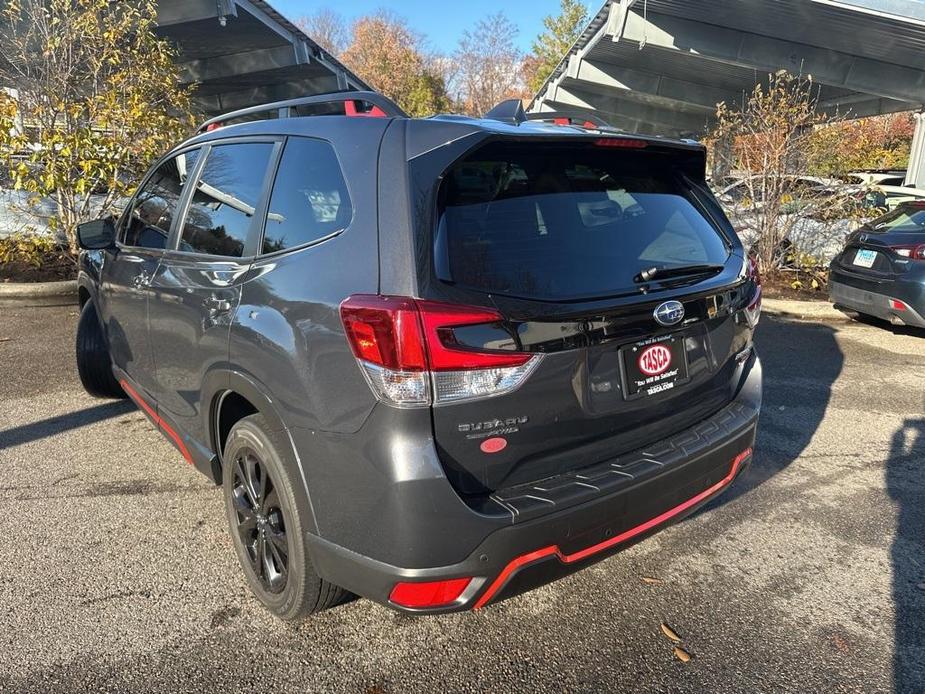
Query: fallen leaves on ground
670	633
649	580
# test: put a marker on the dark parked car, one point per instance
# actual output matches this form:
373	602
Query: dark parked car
881	272
434	362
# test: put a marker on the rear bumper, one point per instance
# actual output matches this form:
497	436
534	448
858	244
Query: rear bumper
873	296
656	486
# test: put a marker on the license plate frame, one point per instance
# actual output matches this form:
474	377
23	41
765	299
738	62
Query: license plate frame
864	257
638	384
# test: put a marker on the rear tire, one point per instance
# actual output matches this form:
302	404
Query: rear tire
94	366
267	520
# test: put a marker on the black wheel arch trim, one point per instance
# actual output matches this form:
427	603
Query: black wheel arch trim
217	385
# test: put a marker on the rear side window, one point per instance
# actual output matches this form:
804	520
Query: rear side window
155	205
309	199
227	193
564	223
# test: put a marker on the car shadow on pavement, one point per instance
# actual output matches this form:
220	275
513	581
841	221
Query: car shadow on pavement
800	362
886	325
905	478
62	423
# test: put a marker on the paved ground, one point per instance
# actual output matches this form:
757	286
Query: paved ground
116	572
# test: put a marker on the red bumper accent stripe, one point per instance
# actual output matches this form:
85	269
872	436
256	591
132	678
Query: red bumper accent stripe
519	562
174	436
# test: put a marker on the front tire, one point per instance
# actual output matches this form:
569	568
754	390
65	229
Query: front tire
268	522
94	365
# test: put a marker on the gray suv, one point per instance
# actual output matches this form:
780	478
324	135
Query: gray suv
434	362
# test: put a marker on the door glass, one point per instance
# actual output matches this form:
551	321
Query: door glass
155	204
227	193
309	199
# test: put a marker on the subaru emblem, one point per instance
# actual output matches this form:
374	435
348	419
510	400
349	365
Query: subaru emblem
669	313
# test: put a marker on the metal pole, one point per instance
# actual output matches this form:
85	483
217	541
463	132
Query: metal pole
915	174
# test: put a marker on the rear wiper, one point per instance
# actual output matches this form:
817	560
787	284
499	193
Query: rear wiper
654	273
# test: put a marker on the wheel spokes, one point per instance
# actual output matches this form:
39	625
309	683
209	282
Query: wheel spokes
260	522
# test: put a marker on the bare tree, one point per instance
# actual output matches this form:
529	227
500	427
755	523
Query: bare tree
328	28
788	217
488	64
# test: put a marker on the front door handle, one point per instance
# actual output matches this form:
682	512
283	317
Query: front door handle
214	303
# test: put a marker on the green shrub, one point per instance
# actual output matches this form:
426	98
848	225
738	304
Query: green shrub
31	249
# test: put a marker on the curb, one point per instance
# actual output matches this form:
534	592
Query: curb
819	311
39	293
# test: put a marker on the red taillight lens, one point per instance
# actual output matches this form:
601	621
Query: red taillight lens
430	594
384	330
444	354
913	252
897	305
621	143
410	355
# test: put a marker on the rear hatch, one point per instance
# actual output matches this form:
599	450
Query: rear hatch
886	247
607	274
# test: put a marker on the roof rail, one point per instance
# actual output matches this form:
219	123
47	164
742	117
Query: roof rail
382	107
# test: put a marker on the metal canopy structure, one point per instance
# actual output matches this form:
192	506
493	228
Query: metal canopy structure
243	52
661	66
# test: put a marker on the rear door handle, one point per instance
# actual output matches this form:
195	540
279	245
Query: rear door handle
214	303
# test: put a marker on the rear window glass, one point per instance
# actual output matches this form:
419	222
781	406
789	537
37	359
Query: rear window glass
905	218
567	223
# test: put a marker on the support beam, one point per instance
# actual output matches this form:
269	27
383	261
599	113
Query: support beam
230	101
670	121
169	13
234	64
701	41
915	174
668	90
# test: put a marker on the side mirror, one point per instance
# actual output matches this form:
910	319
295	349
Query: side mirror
97	235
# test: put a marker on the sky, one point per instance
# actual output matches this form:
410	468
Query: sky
442	21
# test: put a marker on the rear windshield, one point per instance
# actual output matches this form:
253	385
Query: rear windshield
905	218
557	223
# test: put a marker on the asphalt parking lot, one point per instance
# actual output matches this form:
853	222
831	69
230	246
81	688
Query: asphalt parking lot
117	573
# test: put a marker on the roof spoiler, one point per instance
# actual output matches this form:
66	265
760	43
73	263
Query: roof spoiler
510	111
353	101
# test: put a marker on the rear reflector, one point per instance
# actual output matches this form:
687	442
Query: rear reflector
898	305
621	143
430	594
408	351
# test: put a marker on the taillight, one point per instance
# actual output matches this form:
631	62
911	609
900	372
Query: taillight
410	356
913	252
753	310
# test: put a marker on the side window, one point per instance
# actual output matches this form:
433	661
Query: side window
228	191
309	199
155	205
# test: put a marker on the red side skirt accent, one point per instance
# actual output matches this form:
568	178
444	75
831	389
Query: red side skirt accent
166	428
519	562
